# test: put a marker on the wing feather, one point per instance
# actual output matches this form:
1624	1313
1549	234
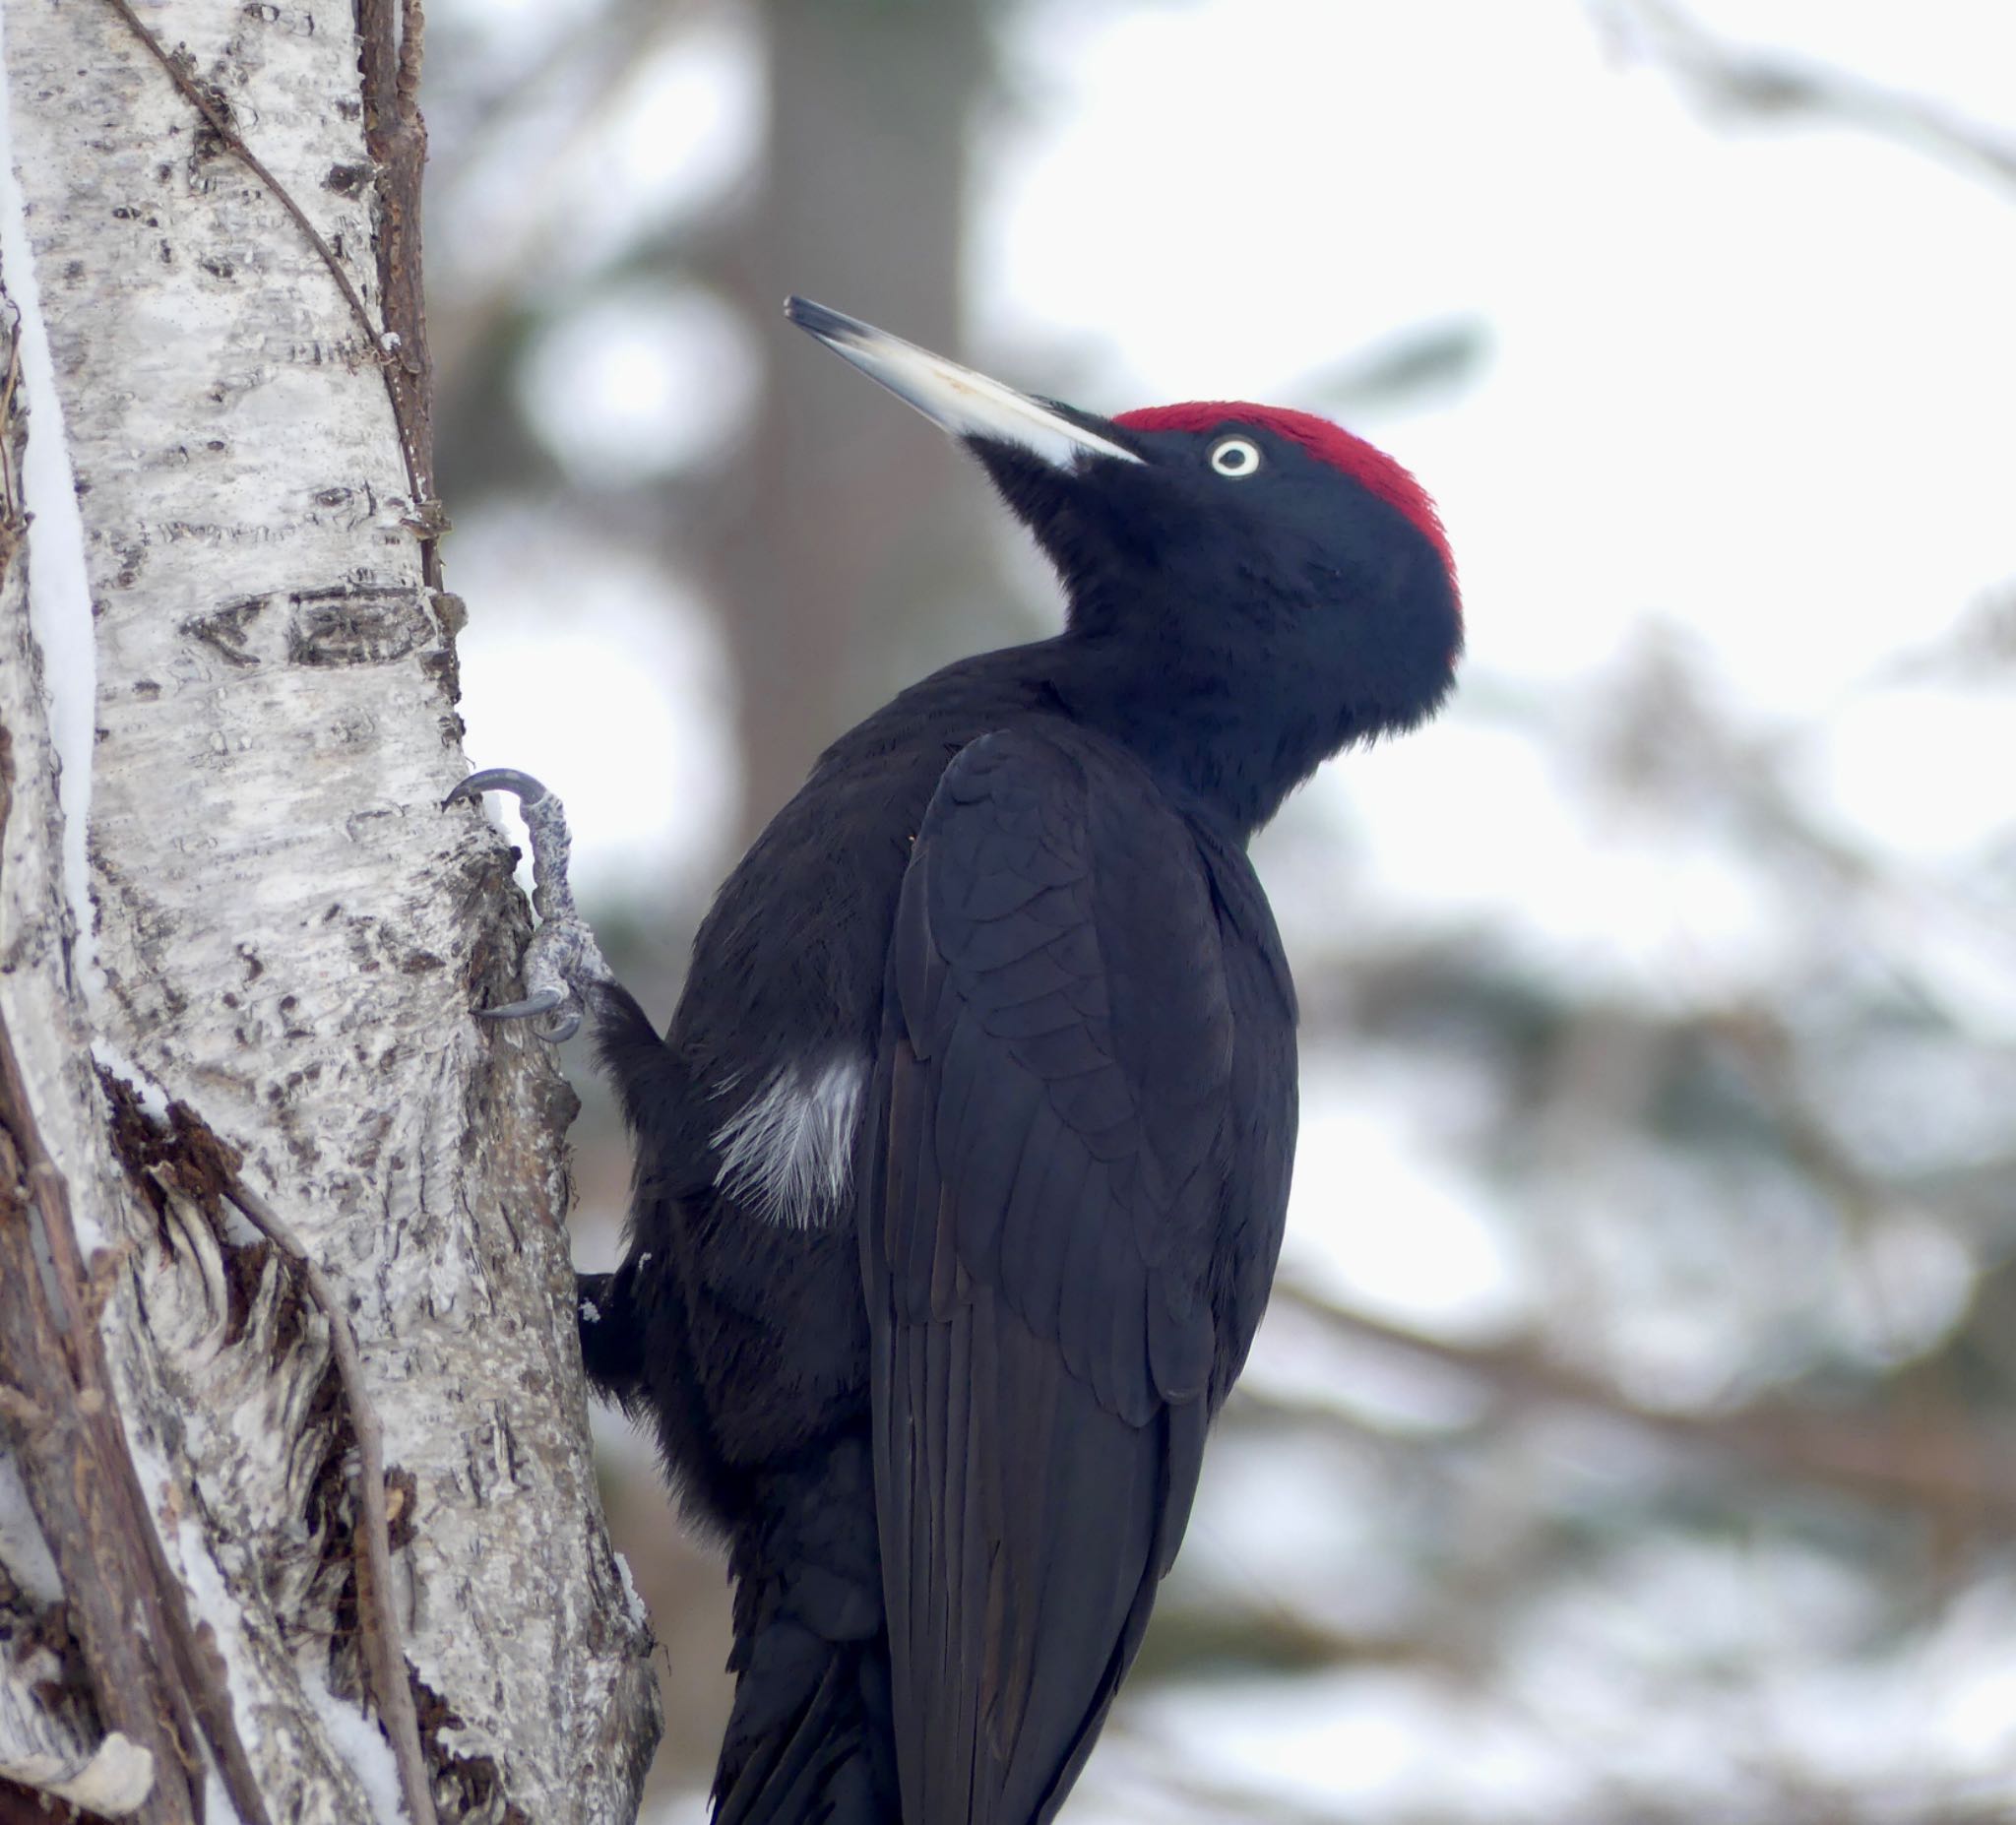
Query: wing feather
1047	1160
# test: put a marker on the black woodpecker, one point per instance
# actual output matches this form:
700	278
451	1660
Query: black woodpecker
961	1169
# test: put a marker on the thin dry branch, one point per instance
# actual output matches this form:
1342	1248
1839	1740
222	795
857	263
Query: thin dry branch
391	34
377	1614
1942	1468
388	343
1764	84
123	1597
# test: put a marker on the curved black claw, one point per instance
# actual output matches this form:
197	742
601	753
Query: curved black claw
540	1001
562	961
497	780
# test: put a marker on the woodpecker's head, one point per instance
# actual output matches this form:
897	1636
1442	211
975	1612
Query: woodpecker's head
1231	552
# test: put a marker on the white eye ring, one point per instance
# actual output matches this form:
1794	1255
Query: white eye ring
1235	458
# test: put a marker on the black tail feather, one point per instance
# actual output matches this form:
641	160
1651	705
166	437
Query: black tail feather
611	1337
810	1738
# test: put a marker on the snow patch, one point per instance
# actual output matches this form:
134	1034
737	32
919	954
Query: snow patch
114	1782
359	1742
58	579
217	1799
23	1549
153	1098
639	1616
240	1232
212	1603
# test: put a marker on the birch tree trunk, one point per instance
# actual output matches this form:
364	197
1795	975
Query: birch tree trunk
226	723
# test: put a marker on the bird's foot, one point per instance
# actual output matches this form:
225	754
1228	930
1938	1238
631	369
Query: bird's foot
563	962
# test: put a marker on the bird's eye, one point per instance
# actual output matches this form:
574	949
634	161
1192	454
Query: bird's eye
1235	456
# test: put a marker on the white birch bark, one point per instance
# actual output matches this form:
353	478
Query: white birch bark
228	673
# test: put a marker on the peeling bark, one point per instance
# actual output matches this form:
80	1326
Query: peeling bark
289	937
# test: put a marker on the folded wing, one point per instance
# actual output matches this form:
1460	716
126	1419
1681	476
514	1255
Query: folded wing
1044	1185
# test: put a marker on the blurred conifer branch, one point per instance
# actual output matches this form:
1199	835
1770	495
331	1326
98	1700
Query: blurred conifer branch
1739	83
1948	1468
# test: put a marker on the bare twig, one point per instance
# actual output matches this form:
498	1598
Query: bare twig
389	354
1766	1050
1917	1467
378	1613
390	36
153	1679
1769	84
10	517
18	1409
412	26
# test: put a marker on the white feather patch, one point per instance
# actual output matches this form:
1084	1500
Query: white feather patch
788	1150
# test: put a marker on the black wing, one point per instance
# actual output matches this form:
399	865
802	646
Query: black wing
1045	1188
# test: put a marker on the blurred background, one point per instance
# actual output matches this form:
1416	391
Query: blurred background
1633	1436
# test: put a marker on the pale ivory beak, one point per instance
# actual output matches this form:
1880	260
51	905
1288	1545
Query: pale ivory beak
954	398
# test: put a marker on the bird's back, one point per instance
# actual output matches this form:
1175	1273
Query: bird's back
1116	1132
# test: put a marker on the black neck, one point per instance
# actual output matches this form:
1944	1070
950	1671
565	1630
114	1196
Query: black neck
1202	732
